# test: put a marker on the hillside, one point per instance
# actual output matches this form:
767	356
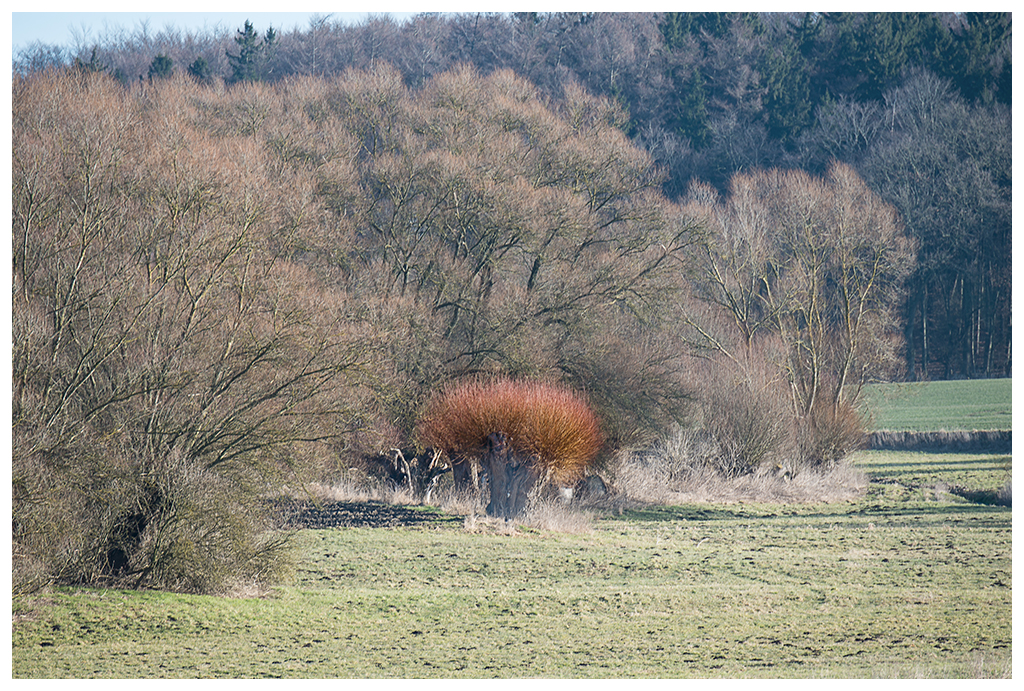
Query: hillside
709	95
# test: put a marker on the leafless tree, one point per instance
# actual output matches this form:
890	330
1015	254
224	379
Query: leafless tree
818	265
161	332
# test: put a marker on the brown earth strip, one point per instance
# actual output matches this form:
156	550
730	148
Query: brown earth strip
320	516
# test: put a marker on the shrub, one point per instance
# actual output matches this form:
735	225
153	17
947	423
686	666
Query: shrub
746	440
520	432
677	471
751	427
829	433
172	356
553	425
108	517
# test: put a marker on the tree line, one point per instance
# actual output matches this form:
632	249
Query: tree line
218	291
918	104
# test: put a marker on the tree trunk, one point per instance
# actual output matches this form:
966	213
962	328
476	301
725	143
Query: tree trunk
464	473
924	331
512	476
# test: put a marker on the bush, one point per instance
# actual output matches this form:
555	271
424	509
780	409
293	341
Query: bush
829	433
751	428
682	469
551	424
107	517
521	433
172	357
745	441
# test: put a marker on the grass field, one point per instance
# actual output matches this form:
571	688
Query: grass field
874	588
909	580
929	475
979	404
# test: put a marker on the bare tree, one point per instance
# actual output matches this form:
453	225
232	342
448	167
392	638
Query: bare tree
508	227
819	264
163	339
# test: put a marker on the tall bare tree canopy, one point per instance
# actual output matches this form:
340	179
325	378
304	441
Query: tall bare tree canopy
917	102
817	264
215	288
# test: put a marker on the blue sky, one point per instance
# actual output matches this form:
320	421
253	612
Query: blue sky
53	26
66	28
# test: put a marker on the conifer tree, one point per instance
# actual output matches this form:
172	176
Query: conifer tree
161	67
250	63
787	99
199	69
94	65
692	118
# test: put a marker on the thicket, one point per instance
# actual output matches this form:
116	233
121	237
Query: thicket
917	103
213	289
168	357
220	291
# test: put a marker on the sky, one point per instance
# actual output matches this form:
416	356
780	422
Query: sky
68	28
52	25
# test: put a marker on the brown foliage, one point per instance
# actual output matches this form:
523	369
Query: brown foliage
829	433
551	423
164	338
255	280
491	233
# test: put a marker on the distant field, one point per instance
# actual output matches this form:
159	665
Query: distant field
977	404
927	476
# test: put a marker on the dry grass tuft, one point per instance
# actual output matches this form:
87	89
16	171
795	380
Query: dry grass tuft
551	423
558	517
356	486
544	515
458	501
679	472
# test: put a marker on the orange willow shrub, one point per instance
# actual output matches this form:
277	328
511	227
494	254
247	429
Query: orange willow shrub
552	424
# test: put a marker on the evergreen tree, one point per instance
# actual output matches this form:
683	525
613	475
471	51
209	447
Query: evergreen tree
787	98
1004	85
806	33
691	120
161	67
882	54
200	69
268	49
891	43
981	56
251	61
94	65
836	52
676	26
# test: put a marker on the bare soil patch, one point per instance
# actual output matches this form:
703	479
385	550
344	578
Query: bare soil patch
347	514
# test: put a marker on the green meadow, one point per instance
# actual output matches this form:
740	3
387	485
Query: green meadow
909	580
977	404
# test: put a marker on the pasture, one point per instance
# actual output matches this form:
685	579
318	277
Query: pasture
977	404
909	580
